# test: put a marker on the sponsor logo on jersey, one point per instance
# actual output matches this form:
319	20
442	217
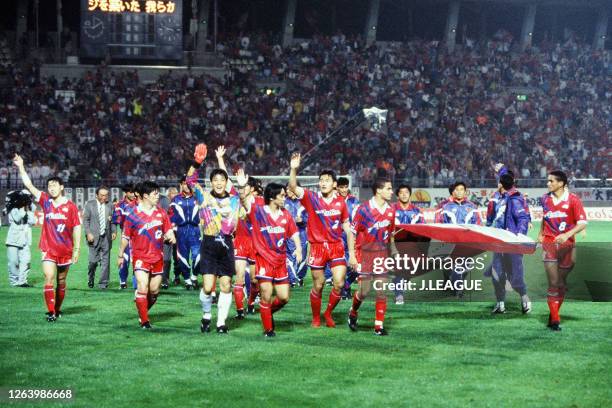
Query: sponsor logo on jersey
328	213
55	216
273	230
555	214
379	225
65	209
149	225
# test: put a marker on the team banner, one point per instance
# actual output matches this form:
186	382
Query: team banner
430	197
453	271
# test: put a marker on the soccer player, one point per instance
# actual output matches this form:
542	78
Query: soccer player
297	270
257	192
457	209
327	218
352	203
405	213
122	209
508	210
219	213
563	217
272	226
245	254
144	230
373	226
60	238
184	217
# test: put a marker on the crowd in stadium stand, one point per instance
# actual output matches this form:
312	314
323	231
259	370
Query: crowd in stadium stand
451	115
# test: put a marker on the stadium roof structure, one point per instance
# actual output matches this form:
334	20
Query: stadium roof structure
575	3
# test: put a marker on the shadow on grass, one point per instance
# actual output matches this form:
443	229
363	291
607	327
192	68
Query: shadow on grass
75	310
164	316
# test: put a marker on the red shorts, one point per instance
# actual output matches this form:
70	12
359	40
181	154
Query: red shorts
156	268
58	260
270	272
323	252
560	253
371	262
243	249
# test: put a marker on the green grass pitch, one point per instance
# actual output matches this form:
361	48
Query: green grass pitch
438	353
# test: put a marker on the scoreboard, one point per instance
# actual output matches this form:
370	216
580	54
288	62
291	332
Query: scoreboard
132	29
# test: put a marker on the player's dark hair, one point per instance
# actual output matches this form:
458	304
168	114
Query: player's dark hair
137	189
128	188
379	183
182	179
147	187
329	173
403	186
102	187
56	179
217	172
343	181
455	185
271	191
255	184
507	181
559	175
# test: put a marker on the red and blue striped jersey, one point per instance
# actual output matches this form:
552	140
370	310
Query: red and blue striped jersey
146	233
271	232
373	225
325	217
59	222
563	215
121	210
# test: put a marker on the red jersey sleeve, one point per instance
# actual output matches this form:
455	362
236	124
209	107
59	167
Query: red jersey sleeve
578	211
305	198
75	220
357	224
43	197
128	229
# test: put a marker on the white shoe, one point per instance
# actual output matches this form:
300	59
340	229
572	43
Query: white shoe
500	308
399	300
526	307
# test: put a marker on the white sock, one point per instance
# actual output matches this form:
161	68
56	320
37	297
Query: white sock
223	306
206	301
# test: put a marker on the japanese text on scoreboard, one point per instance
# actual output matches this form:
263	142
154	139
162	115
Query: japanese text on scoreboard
132	6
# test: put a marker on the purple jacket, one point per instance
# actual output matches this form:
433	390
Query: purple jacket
513	213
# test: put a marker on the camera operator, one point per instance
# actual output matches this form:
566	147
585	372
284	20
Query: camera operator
20	211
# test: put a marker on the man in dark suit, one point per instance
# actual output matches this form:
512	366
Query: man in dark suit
100	233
